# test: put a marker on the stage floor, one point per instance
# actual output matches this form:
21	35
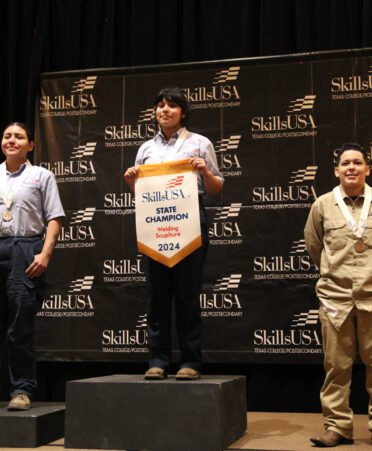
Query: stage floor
291	431
273	431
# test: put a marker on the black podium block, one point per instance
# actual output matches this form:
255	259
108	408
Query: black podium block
127	412
38	426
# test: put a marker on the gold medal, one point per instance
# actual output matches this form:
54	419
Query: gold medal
7	215
360	245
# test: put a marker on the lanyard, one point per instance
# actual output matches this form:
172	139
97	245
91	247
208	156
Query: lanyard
180	140
357	229
8	195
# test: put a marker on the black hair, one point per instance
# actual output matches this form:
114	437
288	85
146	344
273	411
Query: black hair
350	146
25	127
174	94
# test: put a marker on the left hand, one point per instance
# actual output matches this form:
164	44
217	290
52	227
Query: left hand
199	164
38	266
212	184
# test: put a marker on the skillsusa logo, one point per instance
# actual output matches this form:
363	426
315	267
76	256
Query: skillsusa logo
222	92
146	115
348	87
80	101
298	121
83	151
83	284
84	84
224	229
79	168
225	75
296	265
76	302
302	338
310	317
118	203
224	300
136	134
79	233
126	340
227	156
299	193
177	181
125	270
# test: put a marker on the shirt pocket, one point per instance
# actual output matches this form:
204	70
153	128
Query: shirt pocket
335	234
28	197
367	234
190	153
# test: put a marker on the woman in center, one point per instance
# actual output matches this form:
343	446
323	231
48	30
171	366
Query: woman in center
183	282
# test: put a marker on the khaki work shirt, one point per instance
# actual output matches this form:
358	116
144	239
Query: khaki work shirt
345	275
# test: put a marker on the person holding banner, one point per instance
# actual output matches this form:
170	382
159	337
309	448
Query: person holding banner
338	235
28	198
183	281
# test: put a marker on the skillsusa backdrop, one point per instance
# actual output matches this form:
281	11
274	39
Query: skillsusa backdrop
274	123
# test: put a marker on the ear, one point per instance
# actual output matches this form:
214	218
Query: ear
31	146
337	172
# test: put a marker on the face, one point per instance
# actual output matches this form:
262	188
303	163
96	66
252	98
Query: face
169	114
352	170
15	143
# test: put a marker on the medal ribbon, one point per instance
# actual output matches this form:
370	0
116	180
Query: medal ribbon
8	196
180	140
357	229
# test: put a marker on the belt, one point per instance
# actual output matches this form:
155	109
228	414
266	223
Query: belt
21	238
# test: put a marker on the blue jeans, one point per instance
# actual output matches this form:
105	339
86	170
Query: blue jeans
20	299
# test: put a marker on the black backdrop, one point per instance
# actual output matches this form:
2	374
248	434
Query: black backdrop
274	123
52	35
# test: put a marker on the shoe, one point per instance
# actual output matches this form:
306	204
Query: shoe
20	401
330	439
187	374
155	373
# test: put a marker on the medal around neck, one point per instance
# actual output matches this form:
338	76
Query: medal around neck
7	215
357	228
360	245
8	196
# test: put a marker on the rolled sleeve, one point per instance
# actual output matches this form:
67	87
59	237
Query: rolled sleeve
209	155
51	202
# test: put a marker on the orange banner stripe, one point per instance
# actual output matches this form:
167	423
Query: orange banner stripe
170	167
170	262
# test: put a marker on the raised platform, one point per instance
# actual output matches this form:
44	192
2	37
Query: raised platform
38	426
127	412
279	431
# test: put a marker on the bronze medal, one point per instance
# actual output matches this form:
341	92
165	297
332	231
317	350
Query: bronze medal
360	245
7	215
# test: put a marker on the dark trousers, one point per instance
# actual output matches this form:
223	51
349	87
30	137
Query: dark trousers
20	299
183	283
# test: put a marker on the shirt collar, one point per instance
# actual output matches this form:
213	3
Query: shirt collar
174	136
21	169
345	196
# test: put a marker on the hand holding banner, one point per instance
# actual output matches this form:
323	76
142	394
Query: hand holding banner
167	211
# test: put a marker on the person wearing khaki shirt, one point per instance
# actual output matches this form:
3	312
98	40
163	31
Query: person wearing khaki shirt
344	258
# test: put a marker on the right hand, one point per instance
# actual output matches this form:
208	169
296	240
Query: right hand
130	176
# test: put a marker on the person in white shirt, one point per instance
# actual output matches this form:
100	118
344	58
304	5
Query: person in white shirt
183	282
29	201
